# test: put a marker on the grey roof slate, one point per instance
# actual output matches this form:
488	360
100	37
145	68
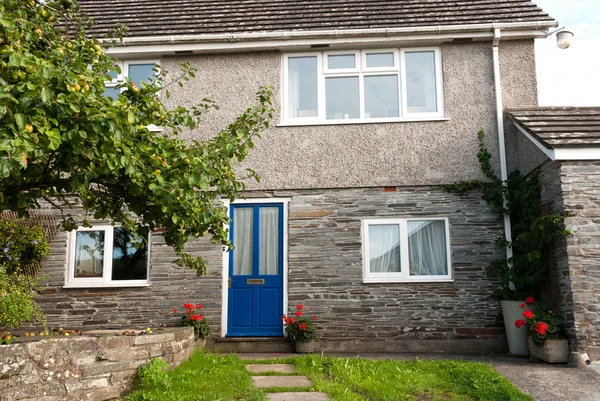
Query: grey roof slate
559	127
197	17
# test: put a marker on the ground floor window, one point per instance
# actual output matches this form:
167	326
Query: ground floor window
406	250
103	256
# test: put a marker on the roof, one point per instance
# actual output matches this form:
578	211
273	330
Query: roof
200	17
560	127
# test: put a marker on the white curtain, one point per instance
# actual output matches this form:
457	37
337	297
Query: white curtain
89	253
269	240
294	89
242	241
384	248
427	248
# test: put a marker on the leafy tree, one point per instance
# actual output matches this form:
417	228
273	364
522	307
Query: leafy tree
61	140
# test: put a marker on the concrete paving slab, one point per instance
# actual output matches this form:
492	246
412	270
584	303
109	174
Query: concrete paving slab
281	381
276	367
306	396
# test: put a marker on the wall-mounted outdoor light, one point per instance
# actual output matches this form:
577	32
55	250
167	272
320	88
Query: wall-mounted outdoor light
563	37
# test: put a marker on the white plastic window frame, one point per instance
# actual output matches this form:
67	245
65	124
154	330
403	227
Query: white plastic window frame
357	62
439	90
362	71
104	281
403	276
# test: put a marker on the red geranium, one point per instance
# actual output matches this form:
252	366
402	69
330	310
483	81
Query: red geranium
528	314
299	307
174	310
520	323
199	306
522	306
298	313
314	317
188	306
541	328
529	300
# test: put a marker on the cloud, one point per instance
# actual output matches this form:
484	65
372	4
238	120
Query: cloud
570	77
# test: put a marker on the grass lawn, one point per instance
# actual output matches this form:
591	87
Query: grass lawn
224	378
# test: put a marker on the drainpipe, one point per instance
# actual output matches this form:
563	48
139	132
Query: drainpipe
501	145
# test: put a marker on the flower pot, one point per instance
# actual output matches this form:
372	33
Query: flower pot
305	347
551	351
200	343
517	337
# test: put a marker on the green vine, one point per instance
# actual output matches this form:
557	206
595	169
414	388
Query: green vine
532	231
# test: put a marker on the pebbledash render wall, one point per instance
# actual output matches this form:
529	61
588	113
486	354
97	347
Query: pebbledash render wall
571	188
325	274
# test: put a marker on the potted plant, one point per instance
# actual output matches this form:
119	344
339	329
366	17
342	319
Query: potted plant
516	333
301	331
192	318
546	341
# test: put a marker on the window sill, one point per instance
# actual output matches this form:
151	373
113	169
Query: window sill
406	281
350	122
103	285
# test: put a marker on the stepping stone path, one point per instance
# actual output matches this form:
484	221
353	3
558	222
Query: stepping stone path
284	381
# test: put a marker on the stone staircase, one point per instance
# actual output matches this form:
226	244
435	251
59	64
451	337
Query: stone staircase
285	380
251	345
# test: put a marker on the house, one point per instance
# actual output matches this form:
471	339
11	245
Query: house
378	104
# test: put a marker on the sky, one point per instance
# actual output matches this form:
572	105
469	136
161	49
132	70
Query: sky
570	77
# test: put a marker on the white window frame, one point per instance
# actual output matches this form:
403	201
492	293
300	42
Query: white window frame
439	91
362	71
104	281
403	276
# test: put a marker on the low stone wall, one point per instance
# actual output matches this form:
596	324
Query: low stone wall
95	367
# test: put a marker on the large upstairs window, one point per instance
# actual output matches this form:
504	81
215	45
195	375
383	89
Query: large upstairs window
381	85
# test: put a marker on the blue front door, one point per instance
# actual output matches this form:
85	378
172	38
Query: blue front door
255	300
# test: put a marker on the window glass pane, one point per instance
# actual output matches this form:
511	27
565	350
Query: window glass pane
130	256
427	251
375	60
341	61
243	228
381	96
420	82
111	92
384	248
269	240
302	83
89	254
141	72
341	96
113	75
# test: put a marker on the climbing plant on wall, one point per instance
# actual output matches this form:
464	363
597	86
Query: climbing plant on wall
532	231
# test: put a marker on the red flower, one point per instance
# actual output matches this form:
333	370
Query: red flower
284	317
199	306
519	323
302	326
541	328
299	307
529	300
188	306
174	310
522	306
195	317
298	313
528	314
314	317
291	320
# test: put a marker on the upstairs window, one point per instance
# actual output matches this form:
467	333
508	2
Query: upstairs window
362	86
106	256
137	71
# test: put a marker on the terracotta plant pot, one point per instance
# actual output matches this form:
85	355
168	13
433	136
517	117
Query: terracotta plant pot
200	343
517	337
551	351
305	347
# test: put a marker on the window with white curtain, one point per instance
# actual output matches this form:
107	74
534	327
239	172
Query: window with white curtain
107	256
381	85
406	250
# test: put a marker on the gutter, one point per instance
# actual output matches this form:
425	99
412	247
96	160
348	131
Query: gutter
501	143
284	36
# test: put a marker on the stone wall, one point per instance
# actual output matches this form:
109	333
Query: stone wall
92	367
325	273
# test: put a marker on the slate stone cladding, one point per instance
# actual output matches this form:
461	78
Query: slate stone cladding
325	274
573	185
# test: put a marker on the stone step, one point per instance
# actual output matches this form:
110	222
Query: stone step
281	381
251	345
306	396
276	367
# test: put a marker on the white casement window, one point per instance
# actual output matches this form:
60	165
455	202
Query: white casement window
382	85
138	71
406	250
107	256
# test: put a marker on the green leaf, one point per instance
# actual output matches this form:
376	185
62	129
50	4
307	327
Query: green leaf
46	95
15	60
6	22
21	121
131	118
